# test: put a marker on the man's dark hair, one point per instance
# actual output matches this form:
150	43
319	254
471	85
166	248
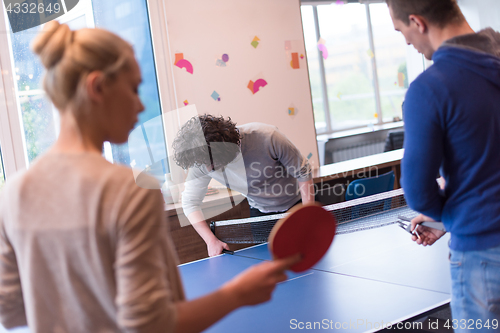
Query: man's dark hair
437	12
217	146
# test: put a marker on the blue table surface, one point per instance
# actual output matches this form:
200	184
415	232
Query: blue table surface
367	279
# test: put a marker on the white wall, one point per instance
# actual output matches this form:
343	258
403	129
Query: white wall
481	13
204	30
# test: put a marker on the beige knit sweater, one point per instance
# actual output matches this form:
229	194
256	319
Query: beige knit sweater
84	249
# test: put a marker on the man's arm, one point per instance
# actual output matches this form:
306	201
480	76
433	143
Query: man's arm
214	245
307	191
424	140
296	165
194	191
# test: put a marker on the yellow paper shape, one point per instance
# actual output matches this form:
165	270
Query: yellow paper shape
291	111
370	53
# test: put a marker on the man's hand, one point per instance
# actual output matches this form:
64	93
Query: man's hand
428	236
215	247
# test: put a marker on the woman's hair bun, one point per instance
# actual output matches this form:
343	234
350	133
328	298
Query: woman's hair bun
51	43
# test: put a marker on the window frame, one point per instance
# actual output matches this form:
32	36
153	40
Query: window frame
15	156
324	87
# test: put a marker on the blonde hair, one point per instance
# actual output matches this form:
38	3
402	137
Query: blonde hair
69	56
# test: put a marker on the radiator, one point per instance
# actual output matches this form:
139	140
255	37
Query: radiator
358	150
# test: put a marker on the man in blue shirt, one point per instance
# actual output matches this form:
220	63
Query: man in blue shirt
452	126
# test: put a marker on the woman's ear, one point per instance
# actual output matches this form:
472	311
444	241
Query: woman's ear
419	22
94	85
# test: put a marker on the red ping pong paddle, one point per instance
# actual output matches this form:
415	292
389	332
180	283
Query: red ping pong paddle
307	229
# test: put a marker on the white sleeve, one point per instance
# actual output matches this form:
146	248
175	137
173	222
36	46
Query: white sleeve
194	190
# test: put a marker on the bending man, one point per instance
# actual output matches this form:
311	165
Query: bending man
258	160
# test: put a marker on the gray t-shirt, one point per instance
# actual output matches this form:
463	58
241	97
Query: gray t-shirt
84	249
266	172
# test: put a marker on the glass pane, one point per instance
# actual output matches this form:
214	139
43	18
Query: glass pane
311	39
40	118
116	16
391	53
348	68
37	112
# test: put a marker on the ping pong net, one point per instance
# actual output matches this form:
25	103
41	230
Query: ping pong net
370	212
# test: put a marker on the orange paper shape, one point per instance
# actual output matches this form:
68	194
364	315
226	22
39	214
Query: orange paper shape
183	63
178	56
295	61
250	86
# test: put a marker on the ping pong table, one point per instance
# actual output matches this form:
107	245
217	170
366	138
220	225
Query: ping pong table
368	280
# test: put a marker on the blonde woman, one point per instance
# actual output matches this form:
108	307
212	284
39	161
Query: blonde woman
82	247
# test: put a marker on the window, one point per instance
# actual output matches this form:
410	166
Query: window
391	59
116	16
40	118
363	79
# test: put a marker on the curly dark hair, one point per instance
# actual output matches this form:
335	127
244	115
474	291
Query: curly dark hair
221	139
438	12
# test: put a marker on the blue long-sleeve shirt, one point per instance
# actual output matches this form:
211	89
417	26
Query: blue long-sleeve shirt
452	125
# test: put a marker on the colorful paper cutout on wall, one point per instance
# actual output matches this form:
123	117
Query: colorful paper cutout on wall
309	156
322	48
183	63
339	95
255	42
294	50
255	86
215	96
291	111
186	102
370	53
295	61
220	63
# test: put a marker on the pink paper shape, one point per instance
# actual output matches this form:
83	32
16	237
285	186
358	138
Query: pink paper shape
324	50
259	83
183	63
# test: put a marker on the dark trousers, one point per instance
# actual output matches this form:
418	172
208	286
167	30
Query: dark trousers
254	212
